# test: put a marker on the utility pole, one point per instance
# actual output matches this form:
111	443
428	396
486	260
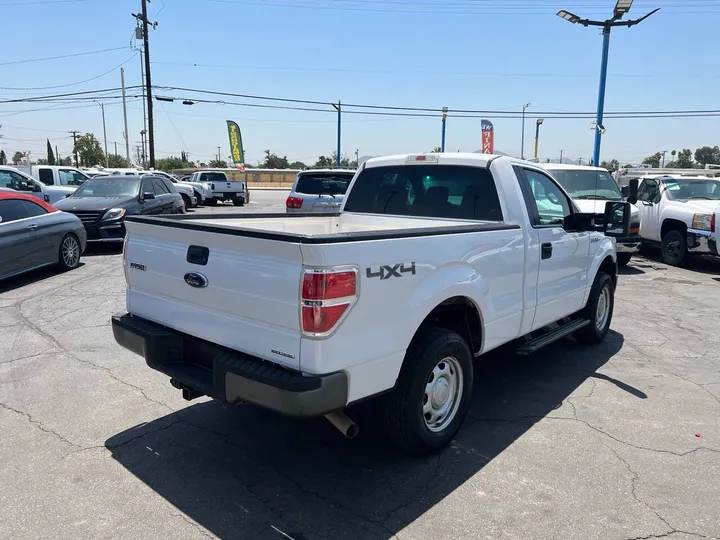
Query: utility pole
102	108
148	80
522	142
663	161
127	138
218	153
142	84
561	152
57	156
116	148
339	135
74	138
357	158
444	121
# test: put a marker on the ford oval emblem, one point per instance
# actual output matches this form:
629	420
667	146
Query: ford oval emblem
196	280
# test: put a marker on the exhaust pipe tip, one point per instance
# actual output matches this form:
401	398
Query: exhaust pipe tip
346	426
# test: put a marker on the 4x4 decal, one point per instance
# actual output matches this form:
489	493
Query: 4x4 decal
388	271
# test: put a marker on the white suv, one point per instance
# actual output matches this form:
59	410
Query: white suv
319	190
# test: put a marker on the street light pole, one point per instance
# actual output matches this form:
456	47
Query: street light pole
339	132
522	142
537	135
444	121
107	159
621	8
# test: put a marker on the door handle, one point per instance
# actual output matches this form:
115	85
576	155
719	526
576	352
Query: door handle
546	250
32	227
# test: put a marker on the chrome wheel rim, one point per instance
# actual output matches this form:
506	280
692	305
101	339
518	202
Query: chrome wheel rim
443	391
602	312
70	252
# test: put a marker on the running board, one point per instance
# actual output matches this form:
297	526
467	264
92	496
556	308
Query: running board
554	335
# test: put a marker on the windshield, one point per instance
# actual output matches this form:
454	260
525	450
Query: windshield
678	189
109	187
323	184
588	184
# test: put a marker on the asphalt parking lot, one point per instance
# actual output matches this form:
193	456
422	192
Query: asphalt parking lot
619	441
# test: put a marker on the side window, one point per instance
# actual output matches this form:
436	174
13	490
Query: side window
12	210
22	183
551	204
6	181
169	185
46	176
68	177
653	191
160	188
148	186
643	193
33	210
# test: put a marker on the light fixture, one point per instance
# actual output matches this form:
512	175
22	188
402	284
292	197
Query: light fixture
540	121
621	8
601	129
570	17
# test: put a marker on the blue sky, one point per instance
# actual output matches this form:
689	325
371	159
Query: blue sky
471	54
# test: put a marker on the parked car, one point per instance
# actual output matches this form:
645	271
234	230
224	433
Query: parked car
592	187
19	181
679	215
186	192
223	187
319	190
201	191
56	175
103	203
435	259
34	234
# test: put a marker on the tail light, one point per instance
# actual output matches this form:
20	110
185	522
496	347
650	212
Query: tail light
712	222
293	202
326	296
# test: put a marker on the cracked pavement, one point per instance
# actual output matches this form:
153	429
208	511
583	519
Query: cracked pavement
619	441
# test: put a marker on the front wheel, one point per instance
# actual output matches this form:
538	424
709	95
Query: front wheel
674	248
623	259
186	201
598	311
432	395
69	252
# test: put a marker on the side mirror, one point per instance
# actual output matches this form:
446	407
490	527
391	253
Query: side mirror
617	219
68	195
147	196
579	222
633	191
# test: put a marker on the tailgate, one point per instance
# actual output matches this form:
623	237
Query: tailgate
244	297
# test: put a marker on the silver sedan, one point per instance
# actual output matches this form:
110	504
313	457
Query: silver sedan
34	234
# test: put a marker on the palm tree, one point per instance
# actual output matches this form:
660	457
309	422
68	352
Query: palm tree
436	150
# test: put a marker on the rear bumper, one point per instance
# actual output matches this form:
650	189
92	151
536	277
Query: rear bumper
227	375
630	244
228	196
701	242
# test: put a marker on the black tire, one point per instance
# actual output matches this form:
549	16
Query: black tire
238	202
674	247
198	198
186	200
65	262
211	202
402	410
623	259
593	333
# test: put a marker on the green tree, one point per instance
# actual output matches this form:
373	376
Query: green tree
219	164
43	161
116	161
273	161
436	150
50	154
708	154
65	162
18	157
3	158
89	151
654	160
684	159
170	164
612	165
331	162
297	165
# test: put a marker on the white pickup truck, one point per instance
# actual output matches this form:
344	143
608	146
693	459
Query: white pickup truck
435	259
679	215
224	186
56	175
17	180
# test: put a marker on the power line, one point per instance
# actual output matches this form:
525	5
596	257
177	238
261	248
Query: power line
61	56
37	2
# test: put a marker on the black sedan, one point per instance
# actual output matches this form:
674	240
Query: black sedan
102	203
34	234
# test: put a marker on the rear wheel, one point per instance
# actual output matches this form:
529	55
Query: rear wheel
623	259
211	202
239	202
598	311
674	247
69	256
431	398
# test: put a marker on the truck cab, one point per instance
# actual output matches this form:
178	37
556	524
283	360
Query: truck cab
57	175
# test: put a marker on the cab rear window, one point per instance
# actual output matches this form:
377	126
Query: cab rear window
441	191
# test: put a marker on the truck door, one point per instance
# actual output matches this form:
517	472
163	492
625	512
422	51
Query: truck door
649	206
563	256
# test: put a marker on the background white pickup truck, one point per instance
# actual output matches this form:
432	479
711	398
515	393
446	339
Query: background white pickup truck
592	187
223	187
56	175
19	181
679	215
435	259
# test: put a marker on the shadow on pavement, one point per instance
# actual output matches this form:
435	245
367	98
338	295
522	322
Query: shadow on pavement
630	271
33	276
241	472
100	249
